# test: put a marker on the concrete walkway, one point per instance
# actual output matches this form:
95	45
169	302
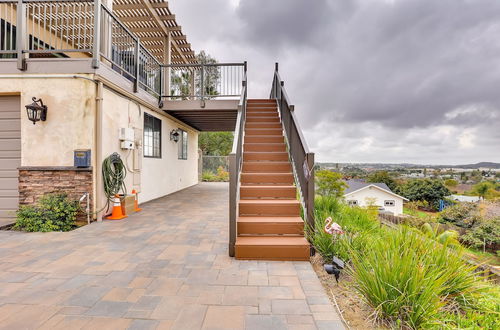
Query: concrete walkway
164	268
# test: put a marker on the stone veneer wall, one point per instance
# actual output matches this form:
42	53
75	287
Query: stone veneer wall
35	182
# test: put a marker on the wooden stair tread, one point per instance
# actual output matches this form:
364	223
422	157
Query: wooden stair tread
263	186
272	240
269	201
271	219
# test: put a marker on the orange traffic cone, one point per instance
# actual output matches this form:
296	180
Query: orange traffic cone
136	202
117	213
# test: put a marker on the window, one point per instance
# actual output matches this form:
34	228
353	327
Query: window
352	202
389	203
152	136
183	144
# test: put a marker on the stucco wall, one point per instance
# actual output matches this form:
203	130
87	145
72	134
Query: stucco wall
157	177
70	125
364	196
70	118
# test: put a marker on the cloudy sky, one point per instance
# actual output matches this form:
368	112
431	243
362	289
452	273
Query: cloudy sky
372	80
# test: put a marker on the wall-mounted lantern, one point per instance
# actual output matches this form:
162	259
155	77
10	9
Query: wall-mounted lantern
36	111
174	135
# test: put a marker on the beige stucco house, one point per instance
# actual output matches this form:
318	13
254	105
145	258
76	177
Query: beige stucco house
97	77
83	81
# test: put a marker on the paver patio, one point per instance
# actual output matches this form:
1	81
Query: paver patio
166	267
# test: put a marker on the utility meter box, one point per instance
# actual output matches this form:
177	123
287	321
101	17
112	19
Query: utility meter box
127	145
81	158
126	134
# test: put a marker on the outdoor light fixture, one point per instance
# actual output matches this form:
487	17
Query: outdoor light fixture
174	135
335	267
36	111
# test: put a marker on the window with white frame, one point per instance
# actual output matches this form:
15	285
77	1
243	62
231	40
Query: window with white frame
152	136
183	144
352	202
389	203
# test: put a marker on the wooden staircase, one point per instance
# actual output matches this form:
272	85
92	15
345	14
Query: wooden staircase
269	223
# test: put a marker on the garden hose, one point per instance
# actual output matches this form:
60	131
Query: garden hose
113	176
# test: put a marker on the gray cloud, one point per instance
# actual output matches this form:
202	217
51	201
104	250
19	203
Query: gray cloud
372	80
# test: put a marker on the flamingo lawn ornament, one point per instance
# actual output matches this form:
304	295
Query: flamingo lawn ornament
332	228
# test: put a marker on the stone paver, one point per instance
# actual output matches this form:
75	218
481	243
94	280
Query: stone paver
164	268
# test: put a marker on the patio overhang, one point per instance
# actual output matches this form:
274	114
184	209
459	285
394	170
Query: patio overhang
215	116
156	26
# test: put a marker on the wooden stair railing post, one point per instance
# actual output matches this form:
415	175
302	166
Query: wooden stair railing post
233	190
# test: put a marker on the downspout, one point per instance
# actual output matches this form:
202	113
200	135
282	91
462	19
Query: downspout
98	149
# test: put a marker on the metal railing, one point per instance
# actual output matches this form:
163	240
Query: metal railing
59	26
203	81
56	28
235	165
302	159
8	23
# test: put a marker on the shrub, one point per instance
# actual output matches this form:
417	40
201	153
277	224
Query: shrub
359	227
485	235
54	212
222	174
464	215
409	278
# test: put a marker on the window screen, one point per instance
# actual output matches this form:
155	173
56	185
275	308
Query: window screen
183	145
152	136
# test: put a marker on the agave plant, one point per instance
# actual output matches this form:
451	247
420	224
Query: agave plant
447	237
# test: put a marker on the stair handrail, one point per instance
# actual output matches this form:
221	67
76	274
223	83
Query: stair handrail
301	157
235	165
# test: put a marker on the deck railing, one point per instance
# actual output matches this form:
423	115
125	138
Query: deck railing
56	28
203	81
301	157
235	165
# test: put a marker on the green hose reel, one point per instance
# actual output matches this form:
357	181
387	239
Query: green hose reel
113	175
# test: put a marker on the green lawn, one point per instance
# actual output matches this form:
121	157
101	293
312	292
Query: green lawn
419	213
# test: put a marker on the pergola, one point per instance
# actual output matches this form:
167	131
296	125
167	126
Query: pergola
155	25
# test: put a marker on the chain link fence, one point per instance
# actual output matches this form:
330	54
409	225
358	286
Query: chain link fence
215	168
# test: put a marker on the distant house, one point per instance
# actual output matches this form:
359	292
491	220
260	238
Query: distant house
463	198
359	193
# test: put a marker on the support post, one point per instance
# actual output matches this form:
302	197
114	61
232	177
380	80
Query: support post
137	65
97	34
21	35
310	190
167	60
233	187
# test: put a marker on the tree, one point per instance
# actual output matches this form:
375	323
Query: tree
424	190
182	78
211	74
481	188
330	183
215	143
451	183
382	177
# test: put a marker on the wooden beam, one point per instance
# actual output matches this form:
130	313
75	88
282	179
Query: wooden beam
146	18
128	6
160	5
183	37
153	39
142	29
161	24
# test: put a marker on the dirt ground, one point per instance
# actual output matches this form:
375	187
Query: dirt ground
357	314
